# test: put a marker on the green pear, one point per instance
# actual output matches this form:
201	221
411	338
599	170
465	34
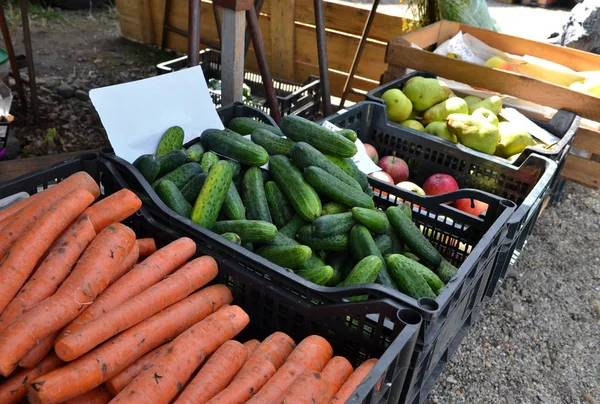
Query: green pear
440	129
425	93
440	111
474	132
486	115
398	105
493	103
411	123
513	140
471	100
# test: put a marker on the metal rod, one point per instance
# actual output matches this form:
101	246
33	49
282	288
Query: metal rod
359	51
12	59
322	52
163	39
193	33
30	66
261	57
257	6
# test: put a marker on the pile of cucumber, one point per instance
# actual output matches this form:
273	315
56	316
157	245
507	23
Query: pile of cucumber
312	212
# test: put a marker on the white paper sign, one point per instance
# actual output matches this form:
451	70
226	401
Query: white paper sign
361	158
135	115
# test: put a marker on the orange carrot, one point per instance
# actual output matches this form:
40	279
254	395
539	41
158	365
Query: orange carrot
55	267
14	389
216	373
99	395
25	253
87	280
147	246
275	349
126	264
355	379
141	277
311	354
31	213
110	358
7	214
185	354
113	209
190	277
251	345
38	352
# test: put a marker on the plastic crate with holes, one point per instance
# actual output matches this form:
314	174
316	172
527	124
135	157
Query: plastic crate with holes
302	99
378	328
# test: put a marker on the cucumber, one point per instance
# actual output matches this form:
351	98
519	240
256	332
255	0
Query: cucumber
374	220
349	134
281	209
148	166
245	126
332	225
191	190
397	245
365	271
351	169
339	261
171	160
412	237
331	208
369	191
172	197
434	282
212	195
413	257
208	160
408	278
446	271
171	140
235	147
286	256
301	195
362	245
337	190
250	231
234	238
338	242
313	263
293	226
304	155
328	142
405	207
181	175
272	143
384	244
233	207
253	195
319	276
236	168
194	152
248	246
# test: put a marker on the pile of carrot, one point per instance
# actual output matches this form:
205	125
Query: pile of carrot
90	314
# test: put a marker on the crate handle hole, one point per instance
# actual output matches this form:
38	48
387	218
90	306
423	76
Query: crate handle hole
508	204
409	317
89	157
427	303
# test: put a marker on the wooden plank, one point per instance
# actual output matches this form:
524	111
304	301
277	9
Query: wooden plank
582	171
146	21
282	27
11	169
448	29
423	37
588	140
232	60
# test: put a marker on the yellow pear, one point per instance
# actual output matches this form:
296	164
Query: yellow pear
438	112
474	132
425	93
513	140
493	103
398	105
471	100
486	115
440	129
411	123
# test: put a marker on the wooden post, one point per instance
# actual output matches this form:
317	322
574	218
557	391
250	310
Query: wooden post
283	42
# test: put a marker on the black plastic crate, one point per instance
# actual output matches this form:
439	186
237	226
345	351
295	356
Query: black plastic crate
293	98
527	185
360	330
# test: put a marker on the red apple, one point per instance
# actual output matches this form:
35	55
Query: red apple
394	166
382	176
439	184
372	153
472	206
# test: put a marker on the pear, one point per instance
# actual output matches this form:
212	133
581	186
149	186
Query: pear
440	129
493	103
486	115
440	111
513	140
471	100
398	105
474	132
425	93
411	123
413	115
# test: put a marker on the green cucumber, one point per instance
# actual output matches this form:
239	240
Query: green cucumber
293	226
171	160
301	195
374	220
272	143
172	197
250	231
349	134
191	190
248	246
405	207
194	152
362	245
181	175
338	242
397	245
351	169
208	160
245	126
313	263
413	257
328	142
434	282
234	238
253	195
148	166
281	209
236	168
332	225
286	256
365	271
303	155
171	140
446	271
337	190
233	207
212	195
384	243
339	261
412	237
408	278
331	208
319	276
234	146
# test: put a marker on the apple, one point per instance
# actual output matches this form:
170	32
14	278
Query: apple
382	176
497	62
411	186
372	153
439	184
471	206
394	166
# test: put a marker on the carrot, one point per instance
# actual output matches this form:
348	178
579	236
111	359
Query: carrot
110	358
243	386
25	253
355	379
251	345
38	352
14	389
275	349
147	246
185	354
140	278
88	279
190	277
31	213
311	354
126	264
113	209
7	214
216	374
99	395
55	267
